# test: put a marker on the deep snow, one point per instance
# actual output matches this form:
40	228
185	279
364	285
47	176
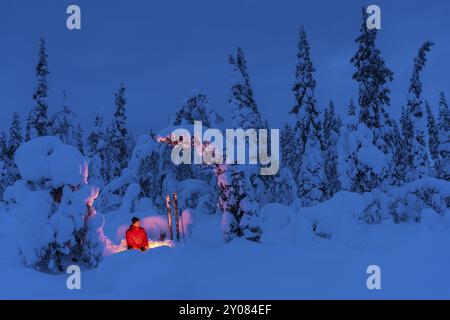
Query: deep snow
414	260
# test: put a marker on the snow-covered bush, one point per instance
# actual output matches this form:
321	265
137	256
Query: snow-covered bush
277	223
197	194
337	218
407	203
54	207
360	162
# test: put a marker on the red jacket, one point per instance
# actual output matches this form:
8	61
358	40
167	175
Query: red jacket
136	237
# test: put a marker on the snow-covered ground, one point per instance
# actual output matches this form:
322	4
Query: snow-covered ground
290	263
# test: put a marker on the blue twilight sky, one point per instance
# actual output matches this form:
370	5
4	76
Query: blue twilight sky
163	50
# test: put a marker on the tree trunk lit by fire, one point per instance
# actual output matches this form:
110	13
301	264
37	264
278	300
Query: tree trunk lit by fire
169	216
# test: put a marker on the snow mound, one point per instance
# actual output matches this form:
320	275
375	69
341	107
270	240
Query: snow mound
337	218
47	158
278	226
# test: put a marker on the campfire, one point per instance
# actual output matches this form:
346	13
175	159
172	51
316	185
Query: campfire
151	245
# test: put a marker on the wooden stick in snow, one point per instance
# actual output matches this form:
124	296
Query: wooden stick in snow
169	216
183	236
175	207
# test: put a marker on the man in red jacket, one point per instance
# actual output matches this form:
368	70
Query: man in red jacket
136	236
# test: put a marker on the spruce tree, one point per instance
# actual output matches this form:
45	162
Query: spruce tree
14	141
37	121
95	137
351	109
444	138
398	164
305	83
240	210
3	146
109	162
433	135
64	125
303	89
120	116
197	108
312	178
305	109
288	147
4	179
78	138
415	122
372	76
95	151
407	138
245	113
118	139
15	135
237	198
331	129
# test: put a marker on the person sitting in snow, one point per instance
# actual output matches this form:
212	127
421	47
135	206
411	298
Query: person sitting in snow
136	236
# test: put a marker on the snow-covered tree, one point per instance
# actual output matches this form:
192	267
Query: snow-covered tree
110	167
360	162
307	120
4	178
95	151
54	206
37	121
64	125
305	83
351	108
119	143
289	149
3	145
237	183
95	141
331	129
312	177
407	137
196	108
240	211
14	141
124	140
398	164
415	124
372	76
78	139
15	135
444	138
433	135
120	116
303	89
245	113
156	174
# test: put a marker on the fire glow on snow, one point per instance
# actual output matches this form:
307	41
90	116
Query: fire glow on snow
110	247
154	226
149	223
151	245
